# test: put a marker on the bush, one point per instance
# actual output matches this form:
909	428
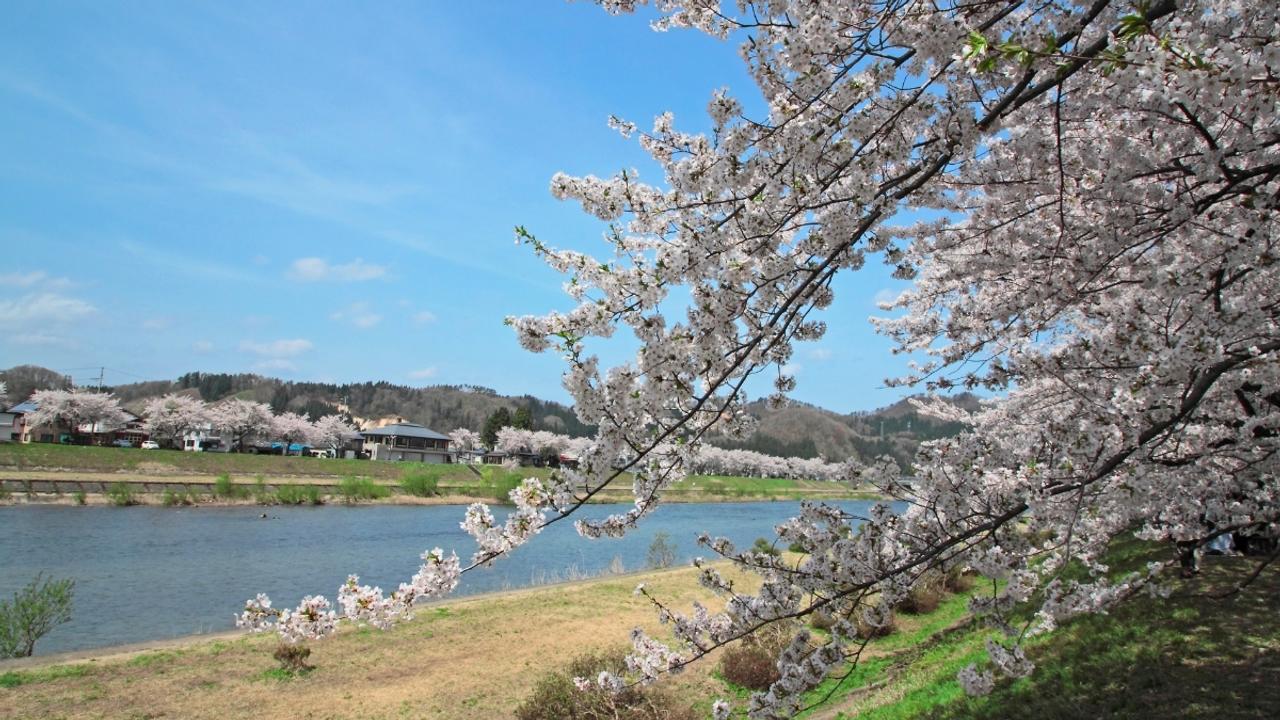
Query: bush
957	580
224	488
753	662
419	482
79	497
121	495
867	630
171	498
293	658
555	697
34	610
299	495
926	594
502	484
662	552
353	489
764	547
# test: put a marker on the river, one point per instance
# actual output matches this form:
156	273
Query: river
149	573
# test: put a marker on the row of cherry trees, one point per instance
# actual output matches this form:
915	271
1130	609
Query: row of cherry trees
169	419
707	460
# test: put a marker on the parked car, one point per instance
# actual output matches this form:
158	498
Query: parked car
123	443
150	445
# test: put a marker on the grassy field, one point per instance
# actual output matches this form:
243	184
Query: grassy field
200	471
1188	656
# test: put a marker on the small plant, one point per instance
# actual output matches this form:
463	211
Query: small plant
34	610
354	489
293	658
171	498
298	495
121	495
926	594
79	497
764	547
662	552
753	662
260	493
866	629
223	487
555	696
419	482
5	494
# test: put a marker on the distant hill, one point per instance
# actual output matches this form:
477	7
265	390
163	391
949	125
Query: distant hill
796	429
806	430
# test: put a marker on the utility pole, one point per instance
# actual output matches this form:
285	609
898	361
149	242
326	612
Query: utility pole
102	371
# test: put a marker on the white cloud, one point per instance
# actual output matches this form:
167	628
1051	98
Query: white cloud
886	295
313	269
423	374
32	279
358	314
277	348
424	317
819	354
792	369
202	346
43	309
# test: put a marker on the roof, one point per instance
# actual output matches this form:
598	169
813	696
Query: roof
24	407
405	430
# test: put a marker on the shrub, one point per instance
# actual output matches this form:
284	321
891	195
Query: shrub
260	493
763	546
79	497
171	498
502	484
753	662
867	630
121	495
419	482
224	488
293	658
662	552
34	610
299	495
926	593
957	580
5	494
353	489
555	696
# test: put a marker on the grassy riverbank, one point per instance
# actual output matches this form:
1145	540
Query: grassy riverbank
1185	656
70	474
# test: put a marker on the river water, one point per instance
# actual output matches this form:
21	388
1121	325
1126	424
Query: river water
147	573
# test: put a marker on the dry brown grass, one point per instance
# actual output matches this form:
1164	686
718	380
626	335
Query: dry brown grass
466	659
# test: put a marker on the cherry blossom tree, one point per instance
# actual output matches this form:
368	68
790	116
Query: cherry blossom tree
171	417
1084	194
331	431
241	420
79	410
290	428
464	441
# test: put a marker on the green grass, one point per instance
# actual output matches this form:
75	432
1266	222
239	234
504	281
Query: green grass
354	489
299	495
121	495
1187	656
14	678
421	482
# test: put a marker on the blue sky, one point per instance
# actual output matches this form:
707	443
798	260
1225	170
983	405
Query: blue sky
324	191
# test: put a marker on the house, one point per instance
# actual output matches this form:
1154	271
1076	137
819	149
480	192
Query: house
14	425
406	442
